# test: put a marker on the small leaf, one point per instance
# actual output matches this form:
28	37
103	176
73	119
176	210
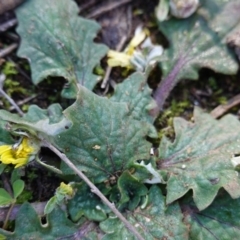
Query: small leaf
51	204
15	175
162	9
152	222
219	221
135	92
59	43
200	158
18	187
103	140
5	197
131	190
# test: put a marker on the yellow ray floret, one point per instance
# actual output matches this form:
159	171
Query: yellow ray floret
123	59
139	54
17	155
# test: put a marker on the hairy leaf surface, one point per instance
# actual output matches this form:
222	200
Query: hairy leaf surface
153	221
199	159
59	43
219	221
135	92
104	139
227	24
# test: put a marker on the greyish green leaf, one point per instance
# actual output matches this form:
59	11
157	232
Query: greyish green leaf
51	204
227	24
28	225
45	122
59	43
130	190
153	221
193	45
104	139
135	92
199	159
219	221
18	187
5	197
86	203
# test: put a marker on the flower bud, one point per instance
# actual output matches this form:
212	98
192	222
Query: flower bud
183	8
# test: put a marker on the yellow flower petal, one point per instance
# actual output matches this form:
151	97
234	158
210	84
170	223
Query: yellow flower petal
17	154
124	59
118	59
137	39
20	162
139	36
7	160
5	148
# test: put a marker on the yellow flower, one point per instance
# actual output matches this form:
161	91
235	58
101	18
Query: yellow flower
119	59
139	54
123	59
66	189
17	154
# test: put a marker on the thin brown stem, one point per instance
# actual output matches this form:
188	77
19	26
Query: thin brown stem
4	94
8	50
223	108
6	25
8	215
94	189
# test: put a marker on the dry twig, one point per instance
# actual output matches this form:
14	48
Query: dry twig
20	103
8	50
4	94
6	25
223	108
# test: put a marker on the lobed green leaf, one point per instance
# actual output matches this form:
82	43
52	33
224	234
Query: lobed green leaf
104	139
59	43
199	159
